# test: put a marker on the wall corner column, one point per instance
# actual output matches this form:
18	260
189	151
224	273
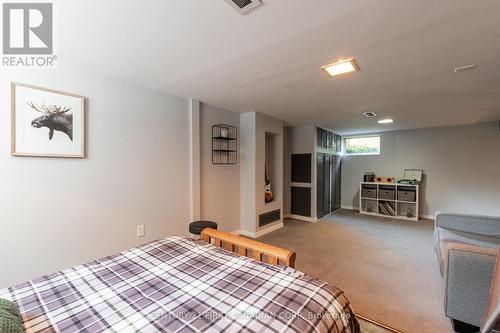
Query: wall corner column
194	160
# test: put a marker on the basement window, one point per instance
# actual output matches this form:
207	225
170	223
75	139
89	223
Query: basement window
364	145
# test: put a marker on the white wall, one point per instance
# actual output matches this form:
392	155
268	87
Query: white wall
248	173
56	213
287	170
220	184
301	140
254	127
268	125
461	165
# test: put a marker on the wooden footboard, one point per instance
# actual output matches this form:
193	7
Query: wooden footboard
249	248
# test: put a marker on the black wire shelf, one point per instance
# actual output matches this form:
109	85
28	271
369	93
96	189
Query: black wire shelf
223	138
224	144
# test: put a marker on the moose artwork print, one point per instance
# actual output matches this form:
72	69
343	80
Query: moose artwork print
55	118
47	122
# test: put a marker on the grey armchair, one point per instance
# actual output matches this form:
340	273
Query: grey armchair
492	318
466	246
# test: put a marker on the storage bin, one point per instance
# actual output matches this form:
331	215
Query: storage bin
369	193
407	195
387	194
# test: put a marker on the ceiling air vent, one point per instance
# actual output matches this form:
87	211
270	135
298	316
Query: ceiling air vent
369	114
244	6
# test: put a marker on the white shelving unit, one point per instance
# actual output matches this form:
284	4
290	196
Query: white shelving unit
371	205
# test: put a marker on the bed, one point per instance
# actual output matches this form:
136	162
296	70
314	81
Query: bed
185	285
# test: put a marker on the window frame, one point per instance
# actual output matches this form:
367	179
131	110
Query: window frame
344	150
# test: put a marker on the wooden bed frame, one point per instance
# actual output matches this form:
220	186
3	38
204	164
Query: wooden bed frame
249	248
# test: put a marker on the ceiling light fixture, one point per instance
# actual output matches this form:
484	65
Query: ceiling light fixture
244	6
465	68
341	67
386	121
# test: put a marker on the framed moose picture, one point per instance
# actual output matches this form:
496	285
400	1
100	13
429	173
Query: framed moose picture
47	122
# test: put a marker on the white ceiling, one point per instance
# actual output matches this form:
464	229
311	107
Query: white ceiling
270	60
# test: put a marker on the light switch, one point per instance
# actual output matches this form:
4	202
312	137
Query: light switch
140	231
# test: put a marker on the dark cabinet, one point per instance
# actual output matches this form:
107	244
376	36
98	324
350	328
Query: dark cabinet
331	137
336	176
327	164
338	143
328	184
301	201
323	185
328	140
301	173
323	138
301	168
319	136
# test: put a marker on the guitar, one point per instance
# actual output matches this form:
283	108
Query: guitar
269	196
268	193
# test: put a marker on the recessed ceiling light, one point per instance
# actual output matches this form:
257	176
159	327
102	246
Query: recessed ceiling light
465	68
341	67
386	121
369	114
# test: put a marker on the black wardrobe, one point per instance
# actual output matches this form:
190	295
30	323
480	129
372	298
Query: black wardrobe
328	183
328	172
326	159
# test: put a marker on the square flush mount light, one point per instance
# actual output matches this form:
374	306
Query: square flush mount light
244	6
386	121
341	67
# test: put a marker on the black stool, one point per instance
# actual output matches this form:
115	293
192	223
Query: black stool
197	227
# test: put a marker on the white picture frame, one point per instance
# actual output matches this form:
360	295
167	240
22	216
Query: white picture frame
47	122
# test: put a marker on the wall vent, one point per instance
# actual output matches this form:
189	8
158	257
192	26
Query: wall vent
244	6
369	114
268	218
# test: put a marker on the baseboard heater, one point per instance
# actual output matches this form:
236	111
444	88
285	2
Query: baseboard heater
270	217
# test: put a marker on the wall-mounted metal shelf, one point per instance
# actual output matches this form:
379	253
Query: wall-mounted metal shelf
223	138
224	144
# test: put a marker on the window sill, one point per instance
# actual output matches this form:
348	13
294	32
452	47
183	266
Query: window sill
362	154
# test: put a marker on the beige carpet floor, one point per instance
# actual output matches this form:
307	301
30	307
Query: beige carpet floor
387	267
368	327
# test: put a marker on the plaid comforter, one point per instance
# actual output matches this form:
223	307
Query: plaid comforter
180	285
